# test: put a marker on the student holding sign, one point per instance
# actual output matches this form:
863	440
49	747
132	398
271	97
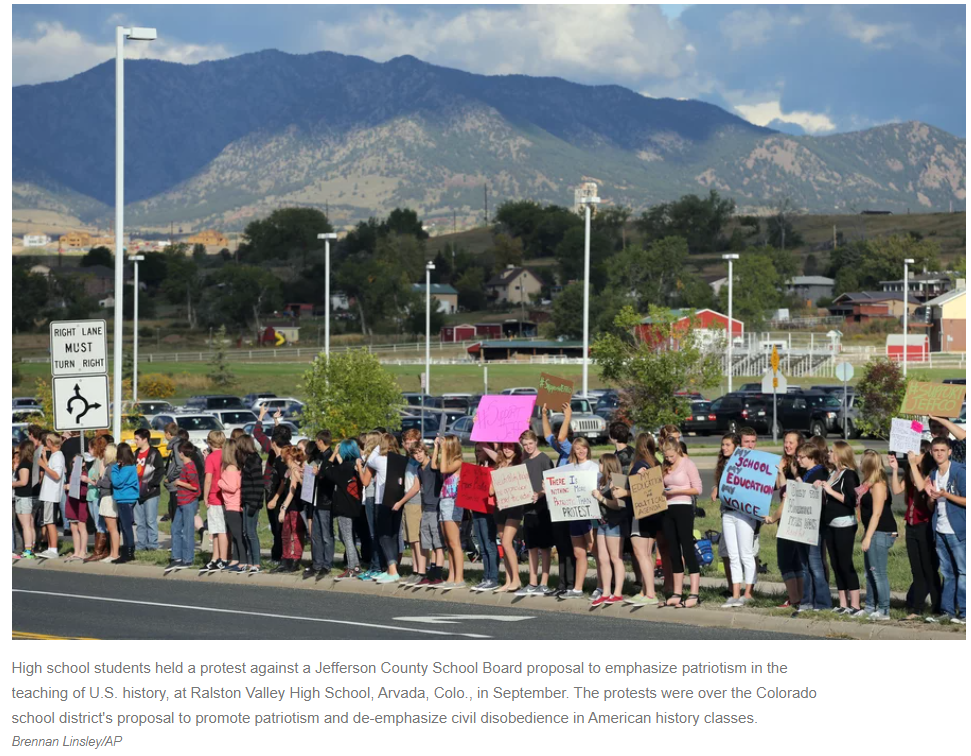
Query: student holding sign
738	535
581	531
646	531
838	525
560	440
508	520
940	427
880	532
681	482
537	527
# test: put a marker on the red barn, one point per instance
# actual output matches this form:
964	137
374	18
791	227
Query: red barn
451	334
488	330
918	347
705	320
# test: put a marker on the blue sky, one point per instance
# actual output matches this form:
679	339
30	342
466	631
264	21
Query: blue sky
804	69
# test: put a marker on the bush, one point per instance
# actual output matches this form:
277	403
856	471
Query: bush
881	392
156	386
16	375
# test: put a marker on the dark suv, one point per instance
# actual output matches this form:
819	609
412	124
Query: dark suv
733	412
812	412
208	402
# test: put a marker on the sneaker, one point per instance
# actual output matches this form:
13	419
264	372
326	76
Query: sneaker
27	554
528	590
255	570
597	593
480	586
639	599
859	612
955	620
376	577
545	590
784	605
743	601
386	577
611	600
108	559
436	583
172	565
598	601
309	573
558	593
732	603
235	569
879	616
182	566
932	619
345	575
48	554
839	610
366	575
571	594
490	585
211	567
451	586
425	582
222	564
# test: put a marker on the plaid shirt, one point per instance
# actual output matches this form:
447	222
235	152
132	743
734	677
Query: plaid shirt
189	475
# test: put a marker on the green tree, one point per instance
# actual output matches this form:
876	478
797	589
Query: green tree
810	266
700	221
612	223
659	275
414	320
151	271
880	393
220	375
199	254
287	233
782	235
239	295
569	255
404	222
649	372
182	284
846	281
31	298
519	218
758	289
98	256
349	394
507	251
884	258
471	289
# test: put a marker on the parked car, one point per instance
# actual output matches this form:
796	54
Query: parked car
750	388
457	402
583	421
828	389
19	433
148	408
961	381
700	419
811	412
25	401
416	399
198	425
208	402
735	411
463	429
250	399
22	414
519	391
232	419
286	404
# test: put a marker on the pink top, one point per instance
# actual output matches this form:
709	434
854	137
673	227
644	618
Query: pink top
214	464
229	485
683	475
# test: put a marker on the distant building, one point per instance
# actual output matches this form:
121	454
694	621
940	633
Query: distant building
947	317
209	238
810	289
486	351
36	240
75	240
586	189
711	326
446	296
103	241
922	285
863	306
513	285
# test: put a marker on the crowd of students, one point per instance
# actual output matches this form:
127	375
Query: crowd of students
382	498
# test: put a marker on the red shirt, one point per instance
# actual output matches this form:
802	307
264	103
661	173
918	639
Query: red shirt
140	458
214	465
918	508
188	475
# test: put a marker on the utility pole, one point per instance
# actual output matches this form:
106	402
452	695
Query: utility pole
834	236
453	220
485	192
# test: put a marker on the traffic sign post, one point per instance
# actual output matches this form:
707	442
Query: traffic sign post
844	373
772	383
81	403
79	375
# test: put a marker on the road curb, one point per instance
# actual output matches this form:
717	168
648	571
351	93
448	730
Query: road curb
699	617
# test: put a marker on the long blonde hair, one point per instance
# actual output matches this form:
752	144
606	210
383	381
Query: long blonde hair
230	454
110	455
871	469
573	451
451	450
843	454
670	443
371	440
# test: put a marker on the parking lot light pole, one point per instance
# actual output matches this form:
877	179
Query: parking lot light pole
327	240
588	203
731	336
907	263
134	378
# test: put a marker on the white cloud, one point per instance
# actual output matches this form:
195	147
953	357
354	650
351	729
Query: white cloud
764	113
54	53
619	42
747	28
877	36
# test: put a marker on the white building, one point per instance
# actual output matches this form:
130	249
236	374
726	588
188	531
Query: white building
36	240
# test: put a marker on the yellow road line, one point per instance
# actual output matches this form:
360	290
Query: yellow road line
20	635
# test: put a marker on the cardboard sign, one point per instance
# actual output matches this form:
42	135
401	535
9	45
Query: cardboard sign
75	488
618	480
647	492
512	485
748	481
568	494
473	492
553	392
502	418
905	435
937	399
307	487
801	513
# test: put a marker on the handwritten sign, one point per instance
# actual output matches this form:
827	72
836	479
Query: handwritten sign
937	399
502	418
748	481
800	516
569	494
473	492
307	487
512	485
553	392
647	492
75	489
905	435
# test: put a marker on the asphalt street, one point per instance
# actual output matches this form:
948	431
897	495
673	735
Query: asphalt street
73	605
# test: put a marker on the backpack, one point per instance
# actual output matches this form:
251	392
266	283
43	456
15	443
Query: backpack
704	552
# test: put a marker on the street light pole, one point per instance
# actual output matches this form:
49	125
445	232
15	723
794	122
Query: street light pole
731	336
588	203
522	302
134	378
907	263
327	239
121	34
429	267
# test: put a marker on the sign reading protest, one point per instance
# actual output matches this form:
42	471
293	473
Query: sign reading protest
748	481
647	492
801	513
473	490
502	418
936	399
553	392
512	485
568	494
307	486
905	435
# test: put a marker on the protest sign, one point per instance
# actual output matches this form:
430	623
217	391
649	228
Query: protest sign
568	494
502	418
307	487
937	399
905	435
553	392
647	492
473	491
800	515
76	470
512	485
618	480
748	481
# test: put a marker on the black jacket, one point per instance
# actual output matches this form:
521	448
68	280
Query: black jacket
324	495
251	485
152	475
346	488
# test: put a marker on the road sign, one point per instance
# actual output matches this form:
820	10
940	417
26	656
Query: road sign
81	402
774	383
844	372
79	347
775	360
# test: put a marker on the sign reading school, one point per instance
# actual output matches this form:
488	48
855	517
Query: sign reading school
748	481
935	399
502	418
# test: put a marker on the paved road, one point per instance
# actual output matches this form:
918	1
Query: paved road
97	606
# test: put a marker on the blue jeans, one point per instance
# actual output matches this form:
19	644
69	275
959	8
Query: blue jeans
377	557
146	524
484	529
96	518
184	532
952	553
250	536
125	519
875	567
816	594
65	526
322	539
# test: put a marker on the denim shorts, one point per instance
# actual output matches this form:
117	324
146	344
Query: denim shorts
612	531
24	505
448	512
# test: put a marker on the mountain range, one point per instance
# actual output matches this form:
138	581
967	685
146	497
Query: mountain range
221	142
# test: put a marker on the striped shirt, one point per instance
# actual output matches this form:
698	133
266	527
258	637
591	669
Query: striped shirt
189	475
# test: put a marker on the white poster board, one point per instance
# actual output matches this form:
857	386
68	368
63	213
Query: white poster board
801	513
905	435
568	494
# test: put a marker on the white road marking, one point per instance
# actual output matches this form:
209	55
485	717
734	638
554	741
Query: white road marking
454	619
250	614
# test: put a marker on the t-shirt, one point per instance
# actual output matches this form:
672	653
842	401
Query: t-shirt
50	489
140	458
943	524
190	475
214	463
23	492
431	487
684	475
563	448
624	456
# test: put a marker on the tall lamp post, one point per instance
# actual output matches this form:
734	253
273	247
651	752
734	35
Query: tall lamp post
907	263
327	240
134	378
522	302
731	331
429	267
588	203
121	34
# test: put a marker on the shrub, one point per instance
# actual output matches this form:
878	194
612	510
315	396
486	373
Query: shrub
156	386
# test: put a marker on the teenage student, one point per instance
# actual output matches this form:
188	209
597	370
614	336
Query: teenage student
582	535
124	489
560	440
188	489
537	527
837	527
230	484
947	488
508	520
106	504
738	536
681	483
213	495
51	463
342	472
431	535
447	459
251	493
23	501
610	535
645	531
879	533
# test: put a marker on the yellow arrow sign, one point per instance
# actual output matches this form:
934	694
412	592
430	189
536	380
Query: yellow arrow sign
775	360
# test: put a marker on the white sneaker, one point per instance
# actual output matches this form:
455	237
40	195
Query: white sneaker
48	554
597	593
859	613
879	616
732	603
958	621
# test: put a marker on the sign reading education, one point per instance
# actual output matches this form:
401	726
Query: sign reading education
553	392
79	347
502	418
748	481
935	399
568	494
647	492
801	513
512	485
905	435
473	492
